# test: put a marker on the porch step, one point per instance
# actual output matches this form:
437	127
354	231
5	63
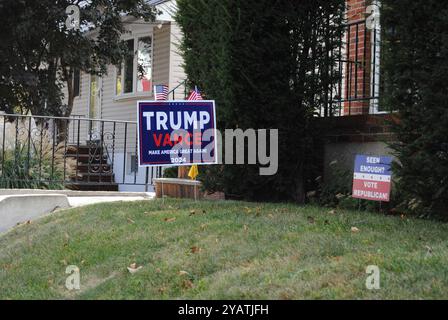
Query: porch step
93	187
95	177
94	168
84	149
88	158
93	171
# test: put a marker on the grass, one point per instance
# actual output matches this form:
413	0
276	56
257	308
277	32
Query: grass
223	250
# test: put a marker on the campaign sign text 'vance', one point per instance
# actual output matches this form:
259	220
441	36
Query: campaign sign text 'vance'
176	132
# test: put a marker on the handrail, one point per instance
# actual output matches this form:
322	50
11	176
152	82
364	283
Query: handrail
66	118
183	82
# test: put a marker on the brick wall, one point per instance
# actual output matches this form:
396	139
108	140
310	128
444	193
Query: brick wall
358	55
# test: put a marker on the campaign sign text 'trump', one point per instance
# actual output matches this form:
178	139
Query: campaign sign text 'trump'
176	132
372	178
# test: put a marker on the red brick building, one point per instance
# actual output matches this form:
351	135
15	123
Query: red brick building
361	59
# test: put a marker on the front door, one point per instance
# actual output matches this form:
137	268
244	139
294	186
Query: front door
94	107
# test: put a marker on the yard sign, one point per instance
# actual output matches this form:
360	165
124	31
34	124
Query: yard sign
372	178
176	133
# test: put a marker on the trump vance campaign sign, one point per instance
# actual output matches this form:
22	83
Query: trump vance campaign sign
176	132
372	178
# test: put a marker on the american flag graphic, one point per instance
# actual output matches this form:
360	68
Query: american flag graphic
161	92
195	95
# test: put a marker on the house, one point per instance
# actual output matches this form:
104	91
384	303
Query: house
353	108
114	96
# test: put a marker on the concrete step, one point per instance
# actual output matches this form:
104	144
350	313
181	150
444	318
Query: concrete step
92	187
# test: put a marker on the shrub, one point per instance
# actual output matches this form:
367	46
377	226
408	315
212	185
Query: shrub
415	61
258	60
36	167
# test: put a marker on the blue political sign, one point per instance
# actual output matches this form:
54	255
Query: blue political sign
372	178
176	132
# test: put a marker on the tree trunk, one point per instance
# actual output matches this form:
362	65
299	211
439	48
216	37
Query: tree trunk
299	192
63	124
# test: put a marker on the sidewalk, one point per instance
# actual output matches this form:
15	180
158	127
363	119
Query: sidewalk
18	206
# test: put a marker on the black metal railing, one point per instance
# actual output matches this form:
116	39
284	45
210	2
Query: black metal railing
76	153
357	90
181	87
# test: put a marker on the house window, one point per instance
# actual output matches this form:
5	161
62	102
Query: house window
132	164
134	76
144	64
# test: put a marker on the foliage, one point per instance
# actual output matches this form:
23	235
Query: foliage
258	60
415	60
41	165
336	191
170	172
39	54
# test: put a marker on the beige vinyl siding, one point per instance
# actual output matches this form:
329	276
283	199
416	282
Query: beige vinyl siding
177	73
161	66
80	110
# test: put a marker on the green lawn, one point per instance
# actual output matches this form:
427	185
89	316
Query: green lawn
212	250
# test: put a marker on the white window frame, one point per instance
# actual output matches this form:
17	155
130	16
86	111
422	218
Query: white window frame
134	94
375	78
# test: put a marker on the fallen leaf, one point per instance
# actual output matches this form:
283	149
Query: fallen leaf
355	230
23	223
183	273
133	268
336	258
311	194
169	219
195	249
187	284
130	220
